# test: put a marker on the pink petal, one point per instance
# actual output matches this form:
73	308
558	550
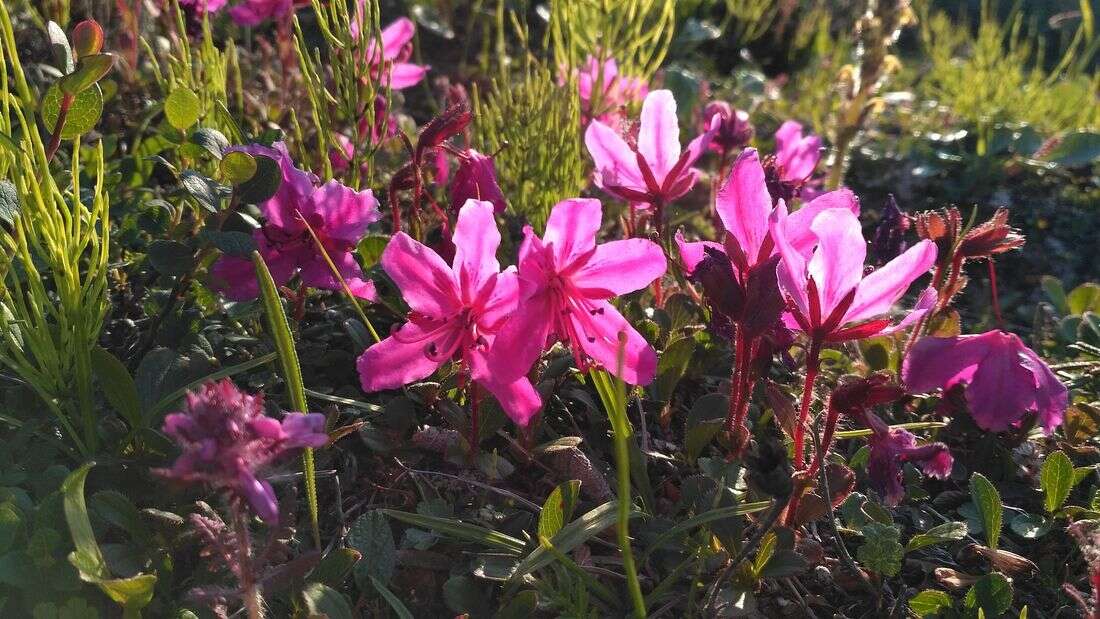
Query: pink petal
692	253
345	213
395	36
599	328
254	12
426	282
259	495
399	359
797	156
837	263
517	397
942	362
659	135
405	74
800	234
791	272
1051	396
743	203
620	267
523	337
476	239
1000	392
616	163
880	290
571	228
235	278
926	302
317	273
500	302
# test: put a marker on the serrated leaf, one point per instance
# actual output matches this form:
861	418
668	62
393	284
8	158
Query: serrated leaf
947	532
990	510
558	508
929	602
372	537
170	257
117	385
992	594
1056	480
881	552
84	113
182	108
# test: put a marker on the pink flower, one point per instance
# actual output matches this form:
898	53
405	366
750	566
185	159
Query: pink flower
393	63
603	91
457	311
744	207
204	6
1005	381
338	215
565	283
655	171
476	179
255	12
734	131
893	447
226	439
831	299
796	155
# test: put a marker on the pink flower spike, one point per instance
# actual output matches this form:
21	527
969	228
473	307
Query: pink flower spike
457	311
566	280
1005	381
796	155
656	171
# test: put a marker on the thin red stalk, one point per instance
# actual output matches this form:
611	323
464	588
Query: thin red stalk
735	381
993	292
831	420
250	592
475	421
55	136
813	361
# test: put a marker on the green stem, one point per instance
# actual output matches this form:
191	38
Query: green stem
622	465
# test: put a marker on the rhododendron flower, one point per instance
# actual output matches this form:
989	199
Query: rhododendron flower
476	179
614	90
566	280
890	448
457	311
338	215
796	155
392	65
255	12
226	441
1005	381
734	129
655	171
744	206
831	299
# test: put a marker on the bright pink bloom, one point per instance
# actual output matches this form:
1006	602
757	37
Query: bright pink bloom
893	447
226	440
338	215
744	206
654	171
614	90
255	12
796	155
832	300
565	283
393	63
457	311
1005	380
476	179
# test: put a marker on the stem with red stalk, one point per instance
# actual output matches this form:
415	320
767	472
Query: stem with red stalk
475	418
813	364
62	114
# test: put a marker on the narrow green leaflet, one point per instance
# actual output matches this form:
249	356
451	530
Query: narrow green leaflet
558	508
1056	480
456	529
988	502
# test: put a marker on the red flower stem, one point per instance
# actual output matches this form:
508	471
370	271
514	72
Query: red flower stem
735	381
813	363
993	293
831	419
59	124
475	421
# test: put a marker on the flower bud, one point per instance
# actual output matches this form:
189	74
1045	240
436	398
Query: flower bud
735	130
87	38
476	179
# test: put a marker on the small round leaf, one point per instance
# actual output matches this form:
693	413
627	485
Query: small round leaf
264	184
238	167
83	115
183	108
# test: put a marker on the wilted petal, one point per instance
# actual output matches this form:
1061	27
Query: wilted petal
880	290
426	282
941	362
659	134
621	267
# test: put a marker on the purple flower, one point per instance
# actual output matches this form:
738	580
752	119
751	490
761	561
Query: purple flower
203	6
226	439
1004	380
796	155
338	215
735	130
255	12
476	179
893	447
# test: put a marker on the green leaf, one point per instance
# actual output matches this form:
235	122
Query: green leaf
371	247
463	595
10	524
202	189
881	551
117	385
59	44
211	140
671	367
1084	298
929	602
264	183
182	108
89	70
322	600
1056	293
170	257
230	242
335	566
1031	526
767	550
238	167
705	518
988	503
9	202
992	594
395	603
569	537
947	532
462	531
80	527
1056	480
523	606
558	508
372	537
784	564
84	113
130	593
1076	149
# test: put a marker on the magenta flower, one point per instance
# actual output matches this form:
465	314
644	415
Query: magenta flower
204	6
392	65
830	298
338	215
255	12
457	311
796	156
744	207
1005	381
893	447
226	440
476	179
654	171
566	280
603	92
734	129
